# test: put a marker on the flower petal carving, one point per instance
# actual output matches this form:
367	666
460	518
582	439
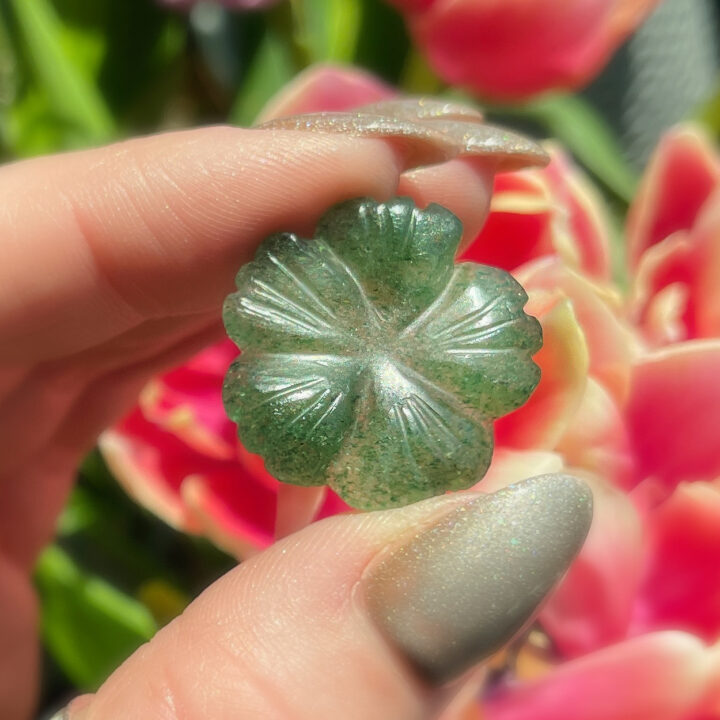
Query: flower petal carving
371	362
293	409
402	256
411	440
296	295
476	341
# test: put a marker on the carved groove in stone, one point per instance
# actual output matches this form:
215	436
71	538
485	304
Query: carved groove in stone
370	361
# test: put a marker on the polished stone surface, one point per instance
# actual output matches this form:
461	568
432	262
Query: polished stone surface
371	361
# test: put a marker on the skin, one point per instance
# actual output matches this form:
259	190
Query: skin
115	265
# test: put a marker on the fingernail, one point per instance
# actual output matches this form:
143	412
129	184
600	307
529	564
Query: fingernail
421	108
76	710
461	589
430	135
62	715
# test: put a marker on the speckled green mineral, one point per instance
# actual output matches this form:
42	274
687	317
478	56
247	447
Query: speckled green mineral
371	362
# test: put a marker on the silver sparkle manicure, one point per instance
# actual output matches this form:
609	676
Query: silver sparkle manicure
423	108
434	131
462	588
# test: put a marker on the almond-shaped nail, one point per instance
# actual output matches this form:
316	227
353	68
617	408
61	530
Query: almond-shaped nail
427	140
423	108
63	714
76	710
462	588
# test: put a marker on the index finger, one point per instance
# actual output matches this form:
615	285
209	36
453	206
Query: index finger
98	241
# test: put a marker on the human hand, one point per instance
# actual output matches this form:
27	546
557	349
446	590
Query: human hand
115	264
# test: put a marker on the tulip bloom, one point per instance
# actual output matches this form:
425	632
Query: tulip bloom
631	403
511	49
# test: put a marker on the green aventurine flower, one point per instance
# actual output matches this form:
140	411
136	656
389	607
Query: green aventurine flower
371	362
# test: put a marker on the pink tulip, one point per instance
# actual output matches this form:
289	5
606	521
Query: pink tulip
636	418
594	606
552	211
681	582
510	49
673	232
673	413
177	454
660	676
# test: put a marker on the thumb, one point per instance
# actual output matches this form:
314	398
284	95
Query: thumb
358	616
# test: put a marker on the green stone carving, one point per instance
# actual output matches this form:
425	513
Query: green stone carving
371	362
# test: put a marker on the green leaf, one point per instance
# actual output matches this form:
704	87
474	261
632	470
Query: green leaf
572	121
32	128
418	78
383	43
272	67
57	63
88	626
327	29
142	71
8	66
708	113
9	80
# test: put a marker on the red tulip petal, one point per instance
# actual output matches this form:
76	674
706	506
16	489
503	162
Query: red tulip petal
563	359
661	303
152	464
234	512
673	413
224	499
705	292
515	48
326	88
680	177
255	466
682	588
332	505
661	676
710	706
519	226
297	507
187	401
582	231
540	212
593	605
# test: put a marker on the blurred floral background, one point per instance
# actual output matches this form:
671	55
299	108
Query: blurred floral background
617	242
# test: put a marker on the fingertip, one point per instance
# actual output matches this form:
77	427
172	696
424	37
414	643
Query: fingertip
463	186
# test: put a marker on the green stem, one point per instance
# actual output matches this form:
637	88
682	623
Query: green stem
72	96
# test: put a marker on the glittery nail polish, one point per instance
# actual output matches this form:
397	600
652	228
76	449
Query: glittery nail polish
433	132
63	714
423	108
462	588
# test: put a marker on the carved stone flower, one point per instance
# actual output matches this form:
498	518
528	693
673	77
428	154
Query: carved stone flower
371	361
